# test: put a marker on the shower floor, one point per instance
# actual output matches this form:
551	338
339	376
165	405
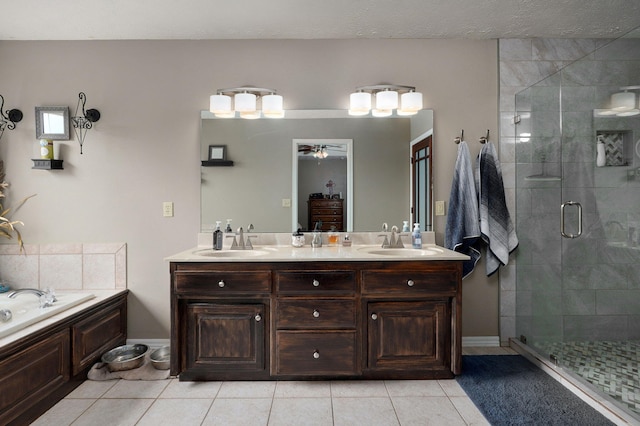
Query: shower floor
610	366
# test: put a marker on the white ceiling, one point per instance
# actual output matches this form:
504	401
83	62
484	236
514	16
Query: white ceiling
314	19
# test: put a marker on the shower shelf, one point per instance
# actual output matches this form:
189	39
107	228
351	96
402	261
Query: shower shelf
543	178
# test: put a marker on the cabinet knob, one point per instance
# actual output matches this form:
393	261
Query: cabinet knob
258	317
316	313
410	283
316	354
374	316
221	283
316	283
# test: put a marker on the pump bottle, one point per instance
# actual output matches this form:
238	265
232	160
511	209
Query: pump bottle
416	236
217	237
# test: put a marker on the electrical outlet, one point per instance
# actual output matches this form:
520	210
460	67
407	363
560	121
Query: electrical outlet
286	202
167	209
439	208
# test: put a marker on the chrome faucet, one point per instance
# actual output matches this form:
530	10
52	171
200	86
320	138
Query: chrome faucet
385	243
47	297
394	240
240	243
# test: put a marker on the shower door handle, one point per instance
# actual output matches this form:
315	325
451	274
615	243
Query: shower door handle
579	206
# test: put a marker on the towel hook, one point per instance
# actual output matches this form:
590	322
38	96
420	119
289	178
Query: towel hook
460	138
485	139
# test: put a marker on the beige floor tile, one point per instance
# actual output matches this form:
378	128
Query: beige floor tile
239	412
414	388
420	410
247	390
355	388
110	412
92	389
64	412
364	411
137	389
178	389
301	411
295	389
176	412
469	412
452	388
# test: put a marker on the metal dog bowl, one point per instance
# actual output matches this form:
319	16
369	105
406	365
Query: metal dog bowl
125	357
160	358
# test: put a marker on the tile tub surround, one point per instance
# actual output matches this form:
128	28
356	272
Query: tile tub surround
73	266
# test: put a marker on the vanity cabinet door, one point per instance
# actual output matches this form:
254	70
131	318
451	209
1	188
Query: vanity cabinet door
225	341
408	335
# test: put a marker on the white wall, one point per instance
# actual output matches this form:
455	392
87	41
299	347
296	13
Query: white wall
145	149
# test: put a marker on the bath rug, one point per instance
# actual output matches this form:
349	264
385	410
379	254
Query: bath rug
510	390
146	371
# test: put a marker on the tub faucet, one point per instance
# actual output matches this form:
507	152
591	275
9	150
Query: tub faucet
47	297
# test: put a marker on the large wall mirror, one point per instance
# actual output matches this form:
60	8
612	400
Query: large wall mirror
261	188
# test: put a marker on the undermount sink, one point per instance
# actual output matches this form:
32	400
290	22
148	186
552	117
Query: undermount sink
403	252
231	253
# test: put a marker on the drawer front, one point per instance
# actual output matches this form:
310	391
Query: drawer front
313	314
409	282
222	282
316	353
325	204
316	282
327	212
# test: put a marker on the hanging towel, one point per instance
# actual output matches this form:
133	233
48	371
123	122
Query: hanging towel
495	223
463	230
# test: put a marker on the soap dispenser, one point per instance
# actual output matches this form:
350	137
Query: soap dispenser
228	229
416	236
217	237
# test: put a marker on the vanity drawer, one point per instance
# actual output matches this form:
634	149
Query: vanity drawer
316	353
409	282
316	282
222	282
314	314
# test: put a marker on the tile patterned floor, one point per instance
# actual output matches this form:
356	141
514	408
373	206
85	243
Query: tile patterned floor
610	366
171	402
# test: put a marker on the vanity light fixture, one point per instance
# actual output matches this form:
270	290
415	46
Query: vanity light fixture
623	104
9	118
389	97
82	123
245	103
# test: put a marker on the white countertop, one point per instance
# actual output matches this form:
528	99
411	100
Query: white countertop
274	249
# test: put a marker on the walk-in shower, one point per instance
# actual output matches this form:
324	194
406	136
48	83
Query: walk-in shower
578	218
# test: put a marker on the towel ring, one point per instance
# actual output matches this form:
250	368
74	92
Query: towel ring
460	138
485	139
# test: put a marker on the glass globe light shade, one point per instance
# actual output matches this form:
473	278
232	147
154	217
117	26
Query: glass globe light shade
381	112
219	104
272	106
623	101
245	102
359	103
411	101
387	100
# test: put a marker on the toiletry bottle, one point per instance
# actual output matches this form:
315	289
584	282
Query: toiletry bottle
228	228
297	239
416	236
405	226
333	236
217	237
601	157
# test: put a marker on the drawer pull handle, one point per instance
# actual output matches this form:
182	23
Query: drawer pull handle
374	316
316	283
221	283
316	354
258	317
316	313
410	283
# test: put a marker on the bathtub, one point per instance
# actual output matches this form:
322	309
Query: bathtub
25	309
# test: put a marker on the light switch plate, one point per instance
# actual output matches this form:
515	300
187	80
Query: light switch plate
167	209
439	208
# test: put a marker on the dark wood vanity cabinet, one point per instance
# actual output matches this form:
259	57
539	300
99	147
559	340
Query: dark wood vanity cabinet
301	320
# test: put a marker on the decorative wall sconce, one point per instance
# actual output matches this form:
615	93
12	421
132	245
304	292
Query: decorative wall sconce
245	103
387	96
623	104
9	118
82	123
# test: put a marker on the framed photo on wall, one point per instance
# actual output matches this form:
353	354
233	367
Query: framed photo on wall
217	152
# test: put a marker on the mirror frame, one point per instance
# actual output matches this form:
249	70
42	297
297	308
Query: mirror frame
41	134
294	178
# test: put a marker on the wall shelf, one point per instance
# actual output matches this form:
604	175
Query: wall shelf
47	164
217	163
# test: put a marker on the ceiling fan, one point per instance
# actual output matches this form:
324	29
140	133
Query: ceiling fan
319	151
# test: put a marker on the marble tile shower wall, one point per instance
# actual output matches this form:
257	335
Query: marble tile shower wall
596	294
72	266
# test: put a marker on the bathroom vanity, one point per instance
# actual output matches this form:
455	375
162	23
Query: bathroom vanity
301	313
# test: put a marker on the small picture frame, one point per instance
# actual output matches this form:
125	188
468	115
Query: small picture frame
217	152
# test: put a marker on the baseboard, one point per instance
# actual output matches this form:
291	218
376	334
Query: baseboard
152	343
480	341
